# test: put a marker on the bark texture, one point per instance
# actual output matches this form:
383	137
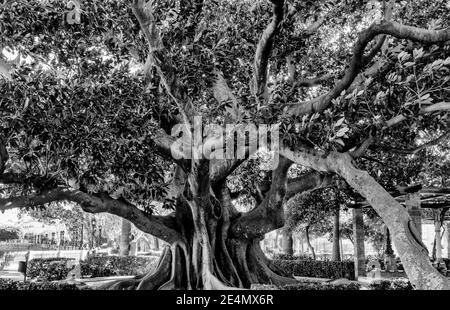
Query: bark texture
125	238
336	255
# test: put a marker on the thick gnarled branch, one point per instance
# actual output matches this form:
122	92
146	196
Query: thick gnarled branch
360	60
263	52
225	97
165	147
307	182
156	57
161	227
269	214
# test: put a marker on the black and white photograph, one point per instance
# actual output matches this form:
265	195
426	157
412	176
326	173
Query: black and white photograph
249	149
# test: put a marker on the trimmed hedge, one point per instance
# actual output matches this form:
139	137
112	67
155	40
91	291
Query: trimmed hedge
106	266
316	269
48	269
54	269
391	284
8	284
311	286
291	257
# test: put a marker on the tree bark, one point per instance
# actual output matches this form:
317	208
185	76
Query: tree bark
308	243
336	255
358	244
125	238
155	244
437	237
388	250
287	242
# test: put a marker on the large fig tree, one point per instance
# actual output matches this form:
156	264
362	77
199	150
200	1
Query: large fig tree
90	105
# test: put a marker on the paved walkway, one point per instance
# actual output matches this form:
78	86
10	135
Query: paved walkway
14	275
95	283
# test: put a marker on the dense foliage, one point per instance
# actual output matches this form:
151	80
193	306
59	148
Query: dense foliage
106	266
8	233
7	284
391	284
316	268
49	269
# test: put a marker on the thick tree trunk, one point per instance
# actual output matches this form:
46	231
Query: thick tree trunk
336	255
125	238
287	242
207	256
155	244
437	237
234	264
433	251
388	250
300	240
308	243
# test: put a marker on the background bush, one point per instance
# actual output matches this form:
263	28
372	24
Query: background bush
106	266
48	269
305	286
391	284
291	257
8	284
308	286
316	269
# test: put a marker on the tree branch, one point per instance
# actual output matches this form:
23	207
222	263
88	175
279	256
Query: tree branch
359	60
306	182
263	52
437	107
360	152
411	151
164	147
269	214
156	58
305	82
159	226
225	97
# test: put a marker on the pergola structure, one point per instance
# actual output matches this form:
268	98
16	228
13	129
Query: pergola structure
415	199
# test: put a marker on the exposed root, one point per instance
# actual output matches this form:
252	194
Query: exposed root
260	267
121	285
178	278
238	251
161	275
210	282
229	271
